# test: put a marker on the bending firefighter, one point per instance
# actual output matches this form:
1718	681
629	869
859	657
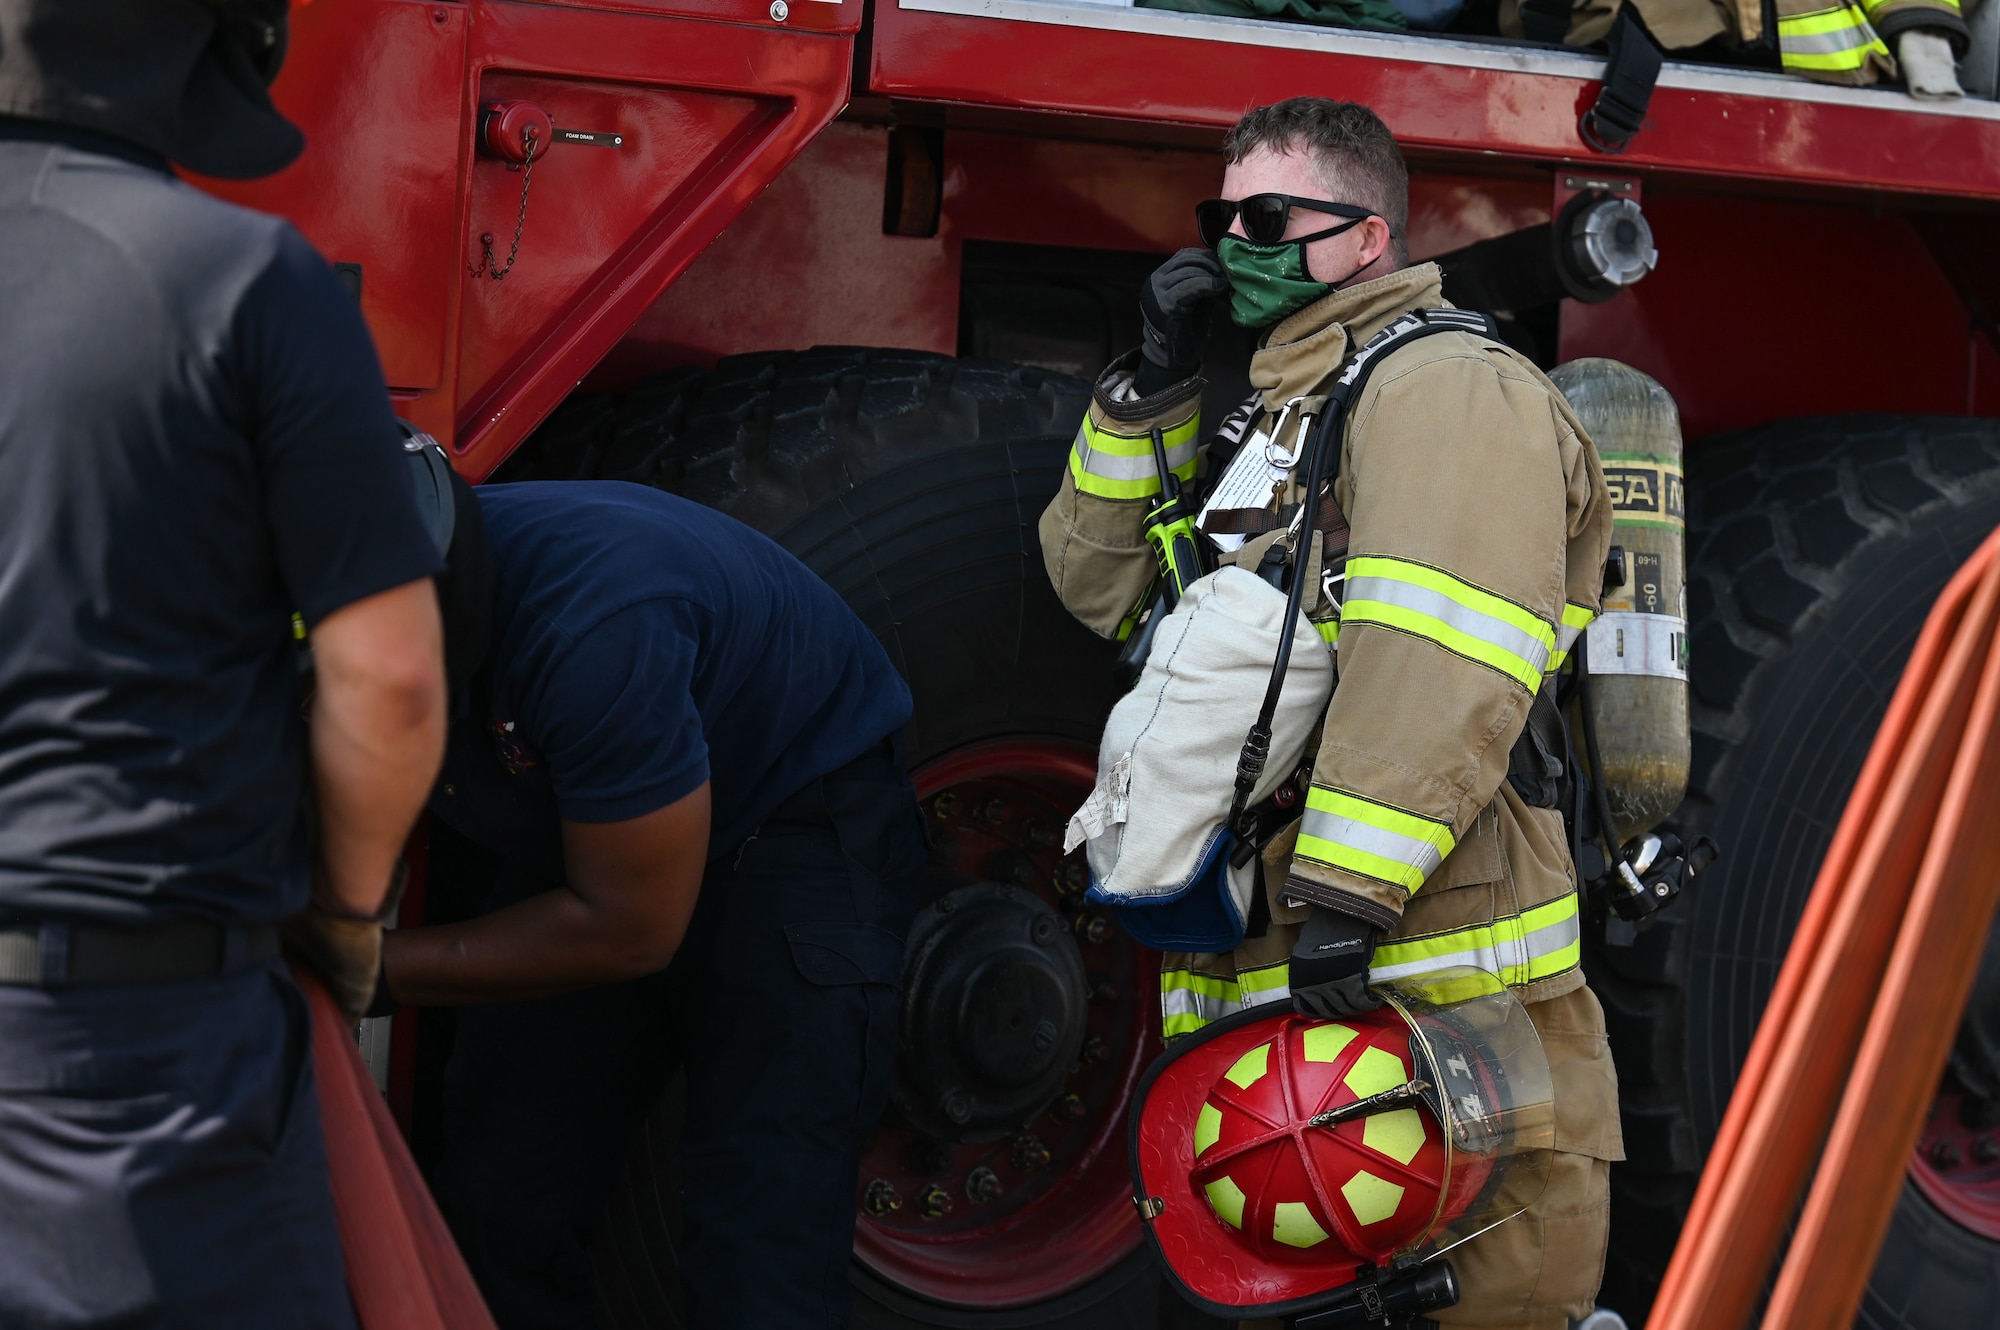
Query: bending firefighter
1452	555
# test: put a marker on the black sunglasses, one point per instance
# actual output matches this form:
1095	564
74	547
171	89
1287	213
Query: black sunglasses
1265	217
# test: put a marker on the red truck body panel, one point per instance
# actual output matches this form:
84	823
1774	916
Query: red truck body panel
712	101
1509	101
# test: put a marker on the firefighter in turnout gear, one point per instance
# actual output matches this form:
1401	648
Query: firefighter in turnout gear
1470	511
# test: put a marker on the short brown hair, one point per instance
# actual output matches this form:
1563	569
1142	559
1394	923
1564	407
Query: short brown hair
1351	146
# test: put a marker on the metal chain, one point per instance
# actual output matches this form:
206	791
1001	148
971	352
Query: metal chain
486	266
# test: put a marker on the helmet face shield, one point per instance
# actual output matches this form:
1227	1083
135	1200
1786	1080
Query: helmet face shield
1490	1085
1279	1157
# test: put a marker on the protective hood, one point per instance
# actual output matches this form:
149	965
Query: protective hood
187	79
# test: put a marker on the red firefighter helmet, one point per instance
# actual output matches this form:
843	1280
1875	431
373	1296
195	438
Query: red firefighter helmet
1279	1157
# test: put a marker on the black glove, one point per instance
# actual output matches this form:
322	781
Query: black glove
1176	303
1329	970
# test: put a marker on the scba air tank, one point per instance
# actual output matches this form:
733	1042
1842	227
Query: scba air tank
1637	648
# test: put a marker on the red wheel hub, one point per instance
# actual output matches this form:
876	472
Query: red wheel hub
1957	1164
1007	1222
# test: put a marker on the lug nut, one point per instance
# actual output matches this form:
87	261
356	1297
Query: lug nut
944	806
935	1203
881	1198
1067	1109
1104	993
1986	1150
1945	1155
1037	835
1029	1153
957	1105
982	1186
1075	876
1092	927
1095	1052
990	812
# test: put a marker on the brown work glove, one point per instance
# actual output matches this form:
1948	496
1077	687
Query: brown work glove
344	950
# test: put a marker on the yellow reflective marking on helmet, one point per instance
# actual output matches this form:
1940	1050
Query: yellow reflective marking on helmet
1293	1224
1208	1128
1398	1135
1249	1068
1375	1071
1371	1198
1227	1199
1324	1042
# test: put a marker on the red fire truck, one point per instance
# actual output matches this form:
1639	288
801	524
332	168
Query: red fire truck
843	268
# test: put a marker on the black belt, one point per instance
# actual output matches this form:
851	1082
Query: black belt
51	954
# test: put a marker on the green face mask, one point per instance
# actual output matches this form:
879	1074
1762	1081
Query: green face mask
1267	282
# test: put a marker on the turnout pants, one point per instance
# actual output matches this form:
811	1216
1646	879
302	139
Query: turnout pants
1541	1268
161	1162
780	1008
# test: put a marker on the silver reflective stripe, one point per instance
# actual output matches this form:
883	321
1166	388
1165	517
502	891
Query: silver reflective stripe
1837	42
1184	1009
1421	855
1506	953
1423	600
1110	466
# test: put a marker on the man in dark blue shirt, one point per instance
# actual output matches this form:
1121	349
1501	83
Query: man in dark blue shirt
195	442
682	750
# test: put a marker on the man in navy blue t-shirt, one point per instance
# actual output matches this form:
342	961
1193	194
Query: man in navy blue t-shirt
682	751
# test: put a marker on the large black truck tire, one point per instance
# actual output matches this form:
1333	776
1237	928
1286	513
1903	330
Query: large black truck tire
1817	548
912	483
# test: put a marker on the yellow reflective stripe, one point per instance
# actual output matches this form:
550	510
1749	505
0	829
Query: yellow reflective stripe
1838	19
1374	840
1576	618
1526	948
1262	981
1203	985
1189	1001
1121	466
1834	40
1874	7
1329	631
1464	619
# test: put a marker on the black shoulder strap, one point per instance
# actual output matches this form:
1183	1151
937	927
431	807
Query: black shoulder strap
1405	329
1629	75
1331	427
